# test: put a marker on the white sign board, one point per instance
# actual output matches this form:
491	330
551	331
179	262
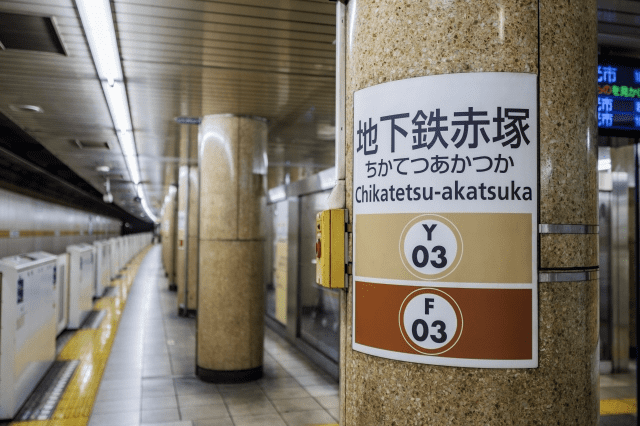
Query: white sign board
182	220
445	201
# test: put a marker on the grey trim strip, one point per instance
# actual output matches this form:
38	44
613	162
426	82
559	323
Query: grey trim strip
322	181
557	277
230	115
545	228
57	30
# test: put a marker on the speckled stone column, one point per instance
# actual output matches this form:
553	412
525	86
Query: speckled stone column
181	237
168	236
193	242
230	328
275	176
391	40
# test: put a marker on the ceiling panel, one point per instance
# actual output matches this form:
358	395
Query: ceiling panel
619	27
230	14
69	93
271	59
196	58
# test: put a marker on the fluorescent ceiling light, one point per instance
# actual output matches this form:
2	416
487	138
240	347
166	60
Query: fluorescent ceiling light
127	144
98	26
145	206
133	169
118	103
101	35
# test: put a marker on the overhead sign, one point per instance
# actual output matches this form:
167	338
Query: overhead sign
618	97
188	120
445	220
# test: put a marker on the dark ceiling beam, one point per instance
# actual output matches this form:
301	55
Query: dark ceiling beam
28	168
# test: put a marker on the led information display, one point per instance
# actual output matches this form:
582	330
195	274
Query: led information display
618	97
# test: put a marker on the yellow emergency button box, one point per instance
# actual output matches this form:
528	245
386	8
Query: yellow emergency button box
331	248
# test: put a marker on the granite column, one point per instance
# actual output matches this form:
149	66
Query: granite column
230	327
388	40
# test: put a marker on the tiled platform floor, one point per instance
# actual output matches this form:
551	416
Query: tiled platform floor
149	378
617	394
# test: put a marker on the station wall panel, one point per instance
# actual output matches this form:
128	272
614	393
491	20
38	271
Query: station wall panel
28	225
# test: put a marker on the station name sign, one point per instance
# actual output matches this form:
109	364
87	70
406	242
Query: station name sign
445	220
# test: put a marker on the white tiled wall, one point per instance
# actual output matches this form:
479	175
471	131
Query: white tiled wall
19	212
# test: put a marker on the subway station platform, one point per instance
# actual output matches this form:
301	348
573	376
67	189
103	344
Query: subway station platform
150	377
137	368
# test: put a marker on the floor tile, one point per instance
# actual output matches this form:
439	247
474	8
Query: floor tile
315	380
182	369
157	384
155	393
322	390
156	372
286	393
299	418
621	392
296	404
253	407
201	412
608	393
199	399
152	370
116	406
329	401
259	420
301	371
214	422
106	385
189	390
335	413
278	383
115	419
163	415
244	397
119	394
160	402
238	394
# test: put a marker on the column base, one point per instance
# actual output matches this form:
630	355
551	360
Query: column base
228	376
189	313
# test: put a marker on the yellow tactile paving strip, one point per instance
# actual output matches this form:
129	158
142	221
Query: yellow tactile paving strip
610	407
92	348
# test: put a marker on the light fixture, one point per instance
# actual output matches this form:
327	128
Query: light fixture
26	108
108	197
98	26
103	169
97	21
145	206
118	105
